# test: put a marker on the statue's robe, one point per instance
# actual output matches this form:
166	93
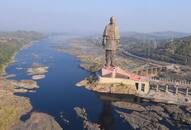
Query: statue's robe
111	35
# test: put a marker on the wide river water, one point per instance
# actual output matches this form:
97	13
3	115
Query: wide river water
58	95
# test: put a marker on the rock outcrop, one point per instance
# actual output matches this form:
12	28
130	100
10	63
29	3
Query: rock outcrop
37	71
38	121
88	125
24	86
178	114
149	117
141	121
107	88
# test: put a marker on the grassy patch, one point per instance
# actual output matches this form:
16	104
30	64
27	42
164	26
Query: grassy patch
8	116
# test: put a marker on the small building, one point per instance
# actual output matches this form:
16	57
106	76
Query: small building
119	76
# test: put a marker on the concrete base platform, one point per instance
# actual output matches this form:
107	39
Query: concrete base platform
117	72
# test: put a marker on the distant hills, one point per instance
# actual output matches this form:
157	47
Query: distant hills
169	34
166	46
179	49
159	36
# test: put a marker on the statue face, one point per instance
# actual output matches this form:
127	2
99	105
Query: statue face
112	20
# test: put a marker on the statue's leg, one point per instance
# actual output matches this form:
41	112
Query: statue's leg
107	57
112	58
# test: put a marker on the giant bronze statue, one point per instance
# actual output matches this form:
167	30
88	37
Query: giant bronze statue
110	42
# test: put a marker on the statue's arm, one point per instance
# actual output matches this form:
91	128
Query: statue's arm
118	35
104	36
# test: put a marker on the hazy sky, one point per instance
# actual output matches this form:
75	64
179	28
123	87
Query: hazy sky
92	15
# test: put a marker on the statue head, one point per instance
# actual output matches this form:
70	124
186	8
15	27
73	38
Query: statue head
112	20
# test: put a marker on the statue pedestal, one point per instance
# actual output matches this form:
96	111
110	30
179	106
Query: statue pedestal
115	75
117	72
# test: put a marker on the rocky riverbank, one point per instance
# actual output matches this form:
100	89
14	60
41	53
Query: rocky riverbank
160	117
12	107
107	88
145	115
38	121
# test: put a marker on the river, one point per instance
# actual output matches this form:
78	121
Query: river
58	94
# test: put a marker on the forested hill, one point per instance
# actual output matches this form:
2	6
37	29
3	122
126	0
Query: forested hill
11	42
176	51
180	48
